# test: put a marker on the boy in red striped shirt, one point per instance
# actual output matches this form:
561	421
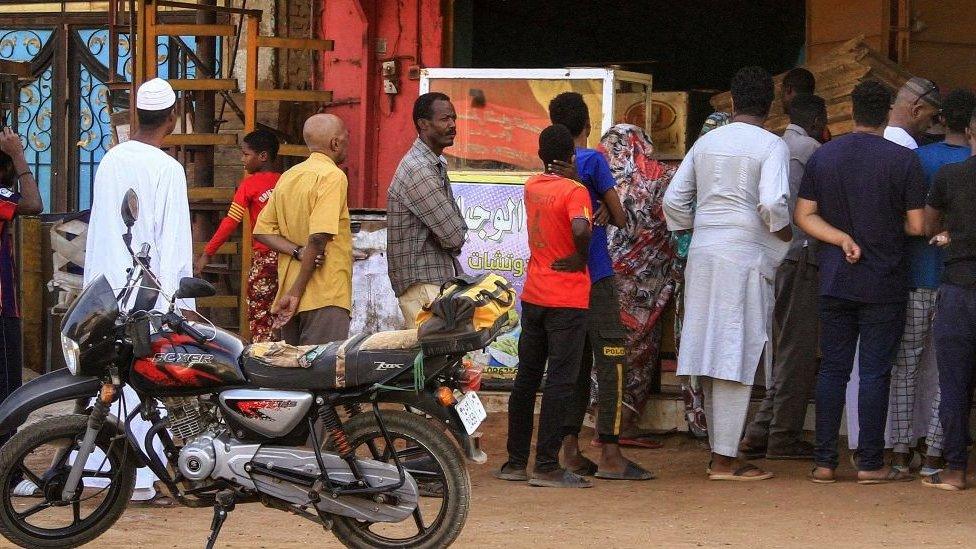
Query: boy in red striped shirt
259	151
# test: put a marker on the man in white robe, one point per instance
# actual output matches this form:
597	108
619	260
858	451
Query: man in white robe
738	174
163	223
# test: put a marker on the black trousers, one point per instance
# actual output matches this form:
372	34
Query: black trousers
12	364
954	330
555	335
604	349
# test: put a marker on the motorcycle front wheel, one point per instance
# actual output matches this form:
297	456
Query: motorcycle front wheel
432	459
42	453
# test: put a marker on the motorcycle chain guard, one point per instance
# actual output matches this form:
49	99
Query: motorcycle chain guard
289	473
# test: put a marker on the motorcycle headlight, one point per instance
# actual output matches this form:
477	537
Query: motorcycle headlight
71	353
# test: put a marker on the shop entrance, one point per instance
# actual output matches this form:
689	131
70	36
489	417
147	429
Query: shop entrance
684	45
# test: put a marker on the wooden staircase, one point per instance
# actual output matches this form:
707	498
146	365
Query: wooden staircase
144	23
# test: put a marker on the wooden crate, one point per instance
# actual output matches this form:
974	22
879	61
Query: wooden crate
669	125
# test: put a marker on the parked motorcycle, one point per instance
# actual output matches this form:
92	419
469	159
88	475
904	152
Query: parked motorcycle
353	435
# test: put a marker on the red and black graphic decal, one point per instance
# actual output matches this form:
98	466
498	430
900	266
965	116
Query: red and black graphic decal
254	409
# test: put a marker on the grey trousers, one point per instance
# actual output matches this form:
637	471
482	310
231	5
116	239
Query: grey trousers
316	327
779	421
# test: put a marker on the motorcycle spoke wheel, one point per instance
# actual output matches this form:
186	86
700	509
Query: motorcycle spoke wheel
43	455
422	465
434	463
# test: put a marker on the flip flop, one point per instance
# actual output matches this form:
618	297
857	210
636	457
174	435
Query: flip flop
935	481
26	489
631	472
568	480
588	469
816	480
894	475
929	471
739	474
511	473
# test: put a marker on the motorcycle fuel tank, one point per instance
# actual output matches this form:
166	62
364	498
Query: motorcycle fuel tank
180	366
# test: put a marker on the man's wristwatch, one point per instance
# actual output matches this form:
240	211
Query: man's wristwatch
297	253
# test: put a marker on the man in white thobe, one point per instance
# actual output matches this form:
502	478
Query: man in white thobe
738	174
163	222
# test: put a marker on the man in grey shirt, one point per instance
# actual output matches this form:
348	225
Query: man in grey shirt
777	430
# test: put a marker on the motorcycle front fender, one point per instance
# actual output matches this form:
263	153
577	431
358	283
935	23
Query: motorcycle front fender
427	403
57	386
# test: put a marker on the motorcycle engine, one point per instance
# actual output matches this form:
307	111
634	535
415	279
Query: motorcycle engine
188	416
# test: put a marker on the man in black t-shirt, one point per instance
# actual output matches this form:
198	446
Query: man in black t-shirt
949	220
860	195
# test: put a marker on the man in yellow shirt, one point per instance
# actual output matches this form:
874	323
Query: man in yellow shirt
307	216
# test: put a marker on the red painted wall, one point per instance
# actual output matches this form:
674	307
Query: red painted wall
380	125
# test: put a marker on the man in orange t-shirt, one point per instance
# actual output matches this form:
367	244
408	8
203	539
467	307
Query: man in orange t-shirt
554	306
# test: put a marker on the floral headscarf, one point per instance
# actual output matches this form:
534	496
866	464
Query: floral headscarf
642	252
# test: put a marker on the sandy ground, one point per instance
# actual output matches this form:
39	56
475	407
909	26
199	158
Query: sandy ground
679	509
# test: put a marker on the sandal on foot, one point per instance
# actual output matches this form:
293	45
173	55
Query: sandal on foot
511	472
927	471
893	475
588	469
935	481
26	489
740	474
631	472
813	477
567	480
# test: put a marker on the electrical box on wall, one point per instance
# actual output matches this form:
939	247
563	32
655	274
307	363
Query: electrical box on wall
390	72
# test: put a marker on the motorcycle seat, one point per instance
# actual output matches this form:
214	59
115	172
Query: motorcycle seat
356	362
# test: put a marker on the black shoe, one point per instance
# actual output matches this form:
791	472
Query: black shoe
798	450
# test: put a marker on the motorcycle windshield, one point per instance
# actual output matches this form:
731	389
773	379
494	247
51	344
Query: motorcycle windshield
91	318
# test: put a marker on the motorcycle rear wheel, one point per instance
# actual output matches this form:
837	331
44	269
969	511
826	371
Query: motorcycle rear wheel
439	466
27	455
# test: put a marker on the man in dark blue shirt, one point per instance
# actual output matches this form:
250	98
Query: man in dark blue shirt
925	271
605	339
860	196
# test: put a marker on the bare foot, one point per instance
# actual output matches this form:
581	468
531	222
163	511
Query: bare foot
954	477
612	460
572	458
822	475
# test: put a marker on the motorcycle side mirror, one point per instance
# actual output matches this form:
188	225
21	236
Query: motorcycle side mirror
130	208
191	288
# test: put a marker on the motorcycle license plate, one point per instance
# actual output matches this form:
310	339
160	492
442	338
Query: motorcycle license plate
471	411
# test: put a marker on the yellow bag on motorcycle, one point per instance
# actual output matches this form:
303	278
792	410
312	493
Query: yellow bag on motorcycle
468	314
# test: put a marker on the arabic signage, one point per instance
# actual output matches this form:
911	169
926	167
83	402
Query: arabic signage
497	234
497	243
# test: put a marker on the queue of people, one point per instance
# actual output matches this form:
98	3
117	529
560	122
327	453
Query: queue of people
859	249
800	245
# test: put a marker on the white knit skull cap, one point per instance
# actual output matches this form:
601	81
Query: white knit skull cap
155	95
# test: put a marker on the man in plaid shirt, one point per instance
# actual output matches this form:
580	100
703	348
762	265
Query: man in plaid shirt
425	228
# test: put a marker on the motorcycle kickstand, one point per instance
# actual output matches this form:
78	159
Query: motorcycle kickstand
224	504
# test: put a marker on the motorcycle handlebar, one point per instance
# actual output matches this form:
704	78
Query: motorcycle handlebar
180	325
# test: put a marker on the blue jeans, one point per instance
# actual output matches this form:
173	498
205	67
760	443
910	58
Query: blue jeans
954	331
879	326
